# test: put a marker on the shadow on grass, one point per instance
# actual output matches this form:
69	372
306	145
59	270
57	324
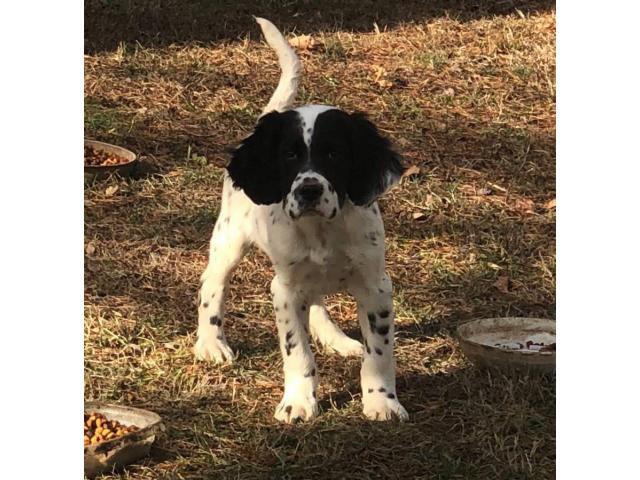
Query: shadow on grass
158	23
465	423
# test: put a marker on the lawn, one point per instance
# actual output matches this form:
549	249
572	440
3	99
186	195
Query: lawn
466	90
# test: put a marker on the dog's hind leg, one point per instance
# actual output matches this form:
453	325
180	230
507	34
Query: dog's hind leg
328	334
228	246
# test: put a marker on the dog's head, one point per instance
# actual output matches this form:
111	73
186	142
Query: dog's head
313	158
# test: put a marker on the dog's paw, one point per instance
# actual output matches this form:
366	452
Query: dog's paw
213	349
297	408
347	347
378	406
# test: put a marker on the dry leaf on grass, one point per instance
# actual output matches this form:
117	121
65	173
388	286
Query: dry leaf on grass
304	42
90	249
503	284
411	171
111	191
524	205
378	77
550	205
419	216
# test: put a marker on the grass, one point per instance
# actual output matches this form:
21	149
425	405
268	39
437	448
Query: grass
466	92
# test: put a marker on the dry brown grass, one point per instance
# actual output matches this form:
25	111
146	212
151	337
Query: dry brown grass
468	94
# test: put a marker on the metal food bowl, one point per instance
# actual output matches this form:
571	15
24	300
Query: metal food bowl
100	171
512	343
115	453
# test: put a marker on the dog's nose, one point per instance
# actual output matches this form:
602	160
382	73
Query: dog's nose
309	192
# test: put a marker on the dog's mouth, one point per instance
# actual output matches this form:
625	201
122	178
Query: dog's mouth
310	212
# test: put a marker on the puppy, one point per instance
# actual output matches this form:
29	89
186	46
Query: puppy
303	188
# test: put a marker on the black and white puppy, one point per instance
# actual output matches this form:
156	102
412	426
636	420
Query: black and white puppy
303	188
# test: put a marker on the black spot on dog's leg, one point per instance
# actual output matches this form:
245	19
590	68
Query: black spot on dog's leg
383	330
382	389
333	213
288	409
215	320
372	321
289	346
391	395
384	313
312	373
289	335
378	351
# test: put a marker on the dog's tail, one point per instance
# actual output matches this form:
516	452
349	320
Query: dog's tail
285	93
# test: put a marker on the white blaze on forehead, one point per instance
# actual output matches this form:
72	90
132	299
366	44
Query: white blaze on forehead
308	115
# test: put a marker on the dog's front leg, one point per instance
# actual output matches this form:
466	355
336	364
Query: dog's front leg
378	375
300	375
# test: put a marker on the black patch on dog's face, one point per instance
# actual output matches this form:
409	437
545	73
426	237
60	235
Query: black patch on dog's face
346	149
261	165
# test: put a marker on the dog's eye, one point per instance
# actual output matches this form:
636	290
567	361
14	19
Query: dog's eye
291	155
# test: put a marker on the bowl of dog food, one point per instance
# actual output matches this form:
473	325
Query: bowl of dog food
115	436
513	343
102	159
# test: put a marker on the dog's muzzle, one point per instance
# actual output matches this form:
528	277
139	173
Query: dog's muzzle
308	193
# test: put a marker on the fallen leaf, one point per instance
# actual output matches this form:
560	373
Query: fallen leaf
550	204
498	187
379	72
110	191
524	205
90	249
429	200
403	142
448	92
385	83
419	216
503	283
412	170
304	42
484	191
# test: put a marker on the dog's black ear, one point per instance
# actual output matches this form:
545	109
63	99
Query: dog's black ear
375	166
254	164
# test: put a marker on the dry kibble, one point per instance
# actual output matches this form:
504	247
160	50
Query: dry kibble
97	428
94	158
